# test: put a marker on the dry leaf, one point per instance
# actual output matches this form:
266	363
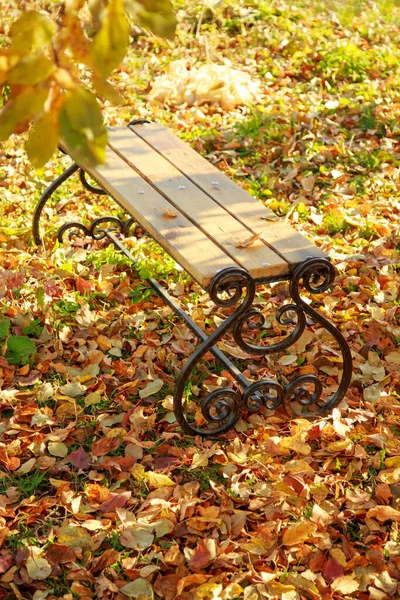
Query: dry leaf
298	533
345	585
248	241
168	213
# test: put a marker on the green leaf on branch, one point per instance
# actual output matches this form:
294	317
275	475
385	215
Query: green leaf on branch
107	91
18	112
30	70
42	141
20	350
32	29
111	42
156	15
82	128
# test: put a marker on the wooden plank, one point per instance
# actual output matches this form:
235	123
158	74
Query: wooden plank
280	236
178	236
226	231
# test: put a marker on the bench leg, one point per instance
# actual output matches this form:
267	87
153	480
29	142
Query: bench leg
94	230
222	408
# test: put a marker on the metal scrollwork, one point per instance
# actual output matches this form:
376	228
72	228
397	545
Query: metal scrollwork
96	230
221	408
238	329
317	275
266	393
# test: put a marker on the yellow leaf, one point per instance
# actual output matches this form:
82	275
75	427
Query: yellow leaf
298	533
30	70
292	443
32	28
73	536
393	462
108	91
82	128
18	112
158	480
340	445
42	141
111	42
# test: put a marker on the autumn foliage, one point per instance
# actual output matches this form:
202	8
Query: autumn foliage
56	64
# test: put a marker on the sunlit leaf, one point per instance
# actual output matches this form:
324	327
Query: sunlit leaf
32	28
30	70
42	140
157	15
19	111
111	42
82	128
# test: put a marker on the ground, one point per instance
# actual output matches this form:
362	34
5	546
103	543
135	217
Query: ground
101	495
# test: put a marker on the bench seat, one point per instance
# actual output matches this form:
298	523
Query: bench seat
196	213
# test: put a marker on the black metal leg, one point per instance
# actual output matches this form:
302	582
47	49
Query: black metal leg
302	396
45	196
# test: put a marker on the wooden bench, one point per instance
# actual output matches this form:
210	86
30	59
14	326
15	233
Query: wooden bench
229	243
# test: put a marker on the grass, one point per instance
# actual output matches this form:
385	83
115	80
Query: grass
28	485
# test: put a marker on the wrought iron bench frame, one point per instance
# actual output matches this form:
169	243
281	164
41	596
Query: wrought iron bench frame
232	287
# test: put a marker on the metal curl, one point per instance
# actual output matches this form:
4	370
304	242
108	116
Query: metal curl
90	188
296	393
318	275
258	393
278	346
232	281
98	233
321	271
74	226
222	406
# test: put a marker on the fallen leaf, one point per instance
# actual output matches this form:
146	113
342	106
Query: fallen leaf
384	513
168	213
140	588
80	458
345	585
248	241
298	533
58	449
151	388
38	568
332	570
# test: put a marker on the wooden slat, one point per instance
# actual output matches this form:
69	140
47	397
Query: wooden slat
226	231
178	236
285	240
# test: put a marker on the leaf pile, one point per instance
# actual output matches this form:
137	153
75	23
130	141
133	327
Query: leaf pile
101	496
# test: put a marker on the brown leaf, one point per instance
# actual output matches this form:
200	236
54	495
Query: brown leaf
384	513
107	558
332	570
201	556
6	561
169	214
105	445
80	458
58	554
114	501
248	241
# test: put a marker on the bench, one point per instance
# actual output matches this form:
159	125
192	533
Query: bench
229	243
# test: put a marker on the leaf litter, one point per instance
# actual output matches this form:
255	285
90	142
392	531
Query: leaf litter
101	496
